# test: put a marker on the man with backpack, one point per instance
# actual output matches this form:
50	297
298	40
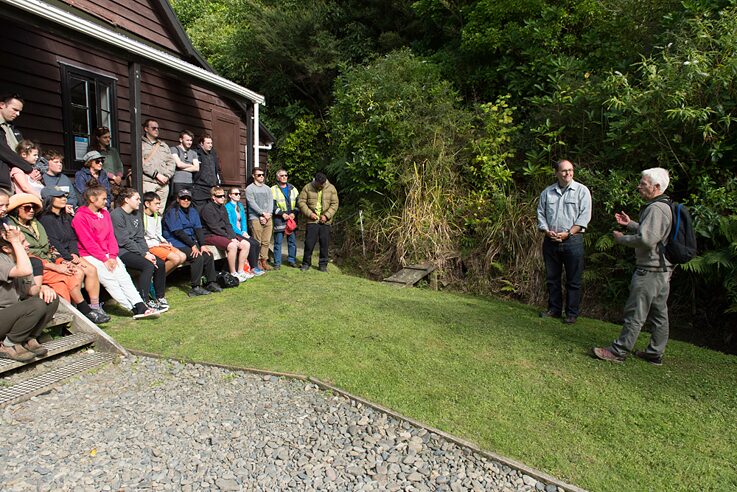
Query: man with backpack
648	299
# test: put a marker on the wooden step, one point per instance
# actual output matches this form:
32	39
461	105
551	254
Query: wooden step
410	275
55	347
44	382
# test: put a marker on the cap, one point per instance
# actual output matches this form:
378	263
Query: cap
55	191
184	192
92	154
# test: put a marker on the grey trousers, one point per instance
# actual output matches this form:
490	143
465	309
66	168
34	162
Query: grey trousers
648	301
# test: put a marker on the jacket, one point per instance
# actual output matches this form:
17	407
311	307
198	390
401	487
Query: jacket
61	234
652	231
240	228
83	176
152	230
307	202
183	228
157	160
95	234
209	173
8	159
62	181
215	219
38	241
129	232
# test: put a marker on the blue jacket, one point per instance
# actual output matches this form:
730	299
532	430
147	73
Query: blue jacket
242	228
177	222
83	176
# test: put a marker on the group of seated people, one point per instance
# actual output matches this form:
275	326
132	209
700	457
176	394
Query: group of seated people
62	237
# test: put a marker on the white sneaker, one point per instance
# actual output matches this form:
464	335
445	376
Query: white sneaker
149	313
245	275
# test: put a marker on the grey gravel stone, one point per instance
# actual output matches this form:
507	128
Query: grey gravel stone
148	424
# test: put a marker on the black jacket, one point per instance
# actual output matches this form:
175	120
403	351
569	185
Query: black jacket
209	173
8	159
215	220
60	233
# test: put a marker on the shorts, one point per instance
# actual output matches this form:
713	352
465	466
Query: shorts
161	251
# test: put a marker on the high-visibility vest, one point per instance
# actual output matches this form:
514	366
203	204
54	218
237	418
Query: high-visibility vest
280	199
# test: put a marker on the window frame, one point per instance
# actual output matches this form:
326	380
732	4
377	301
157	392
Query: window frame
69	72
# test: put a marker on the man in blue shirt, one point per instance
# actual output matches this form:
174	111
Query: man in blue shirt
563	213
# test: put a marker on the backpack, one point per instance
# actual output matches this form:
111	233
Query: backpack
226	280
681	247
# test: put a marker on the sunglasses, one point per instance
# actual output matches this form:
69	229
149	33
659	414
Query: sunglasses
282	176
26	208
219	196
153	127
99	161
185	198
259	175
236	194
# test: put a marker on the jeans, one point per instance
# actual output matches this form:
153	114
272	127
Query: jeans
568	256
317	232
648	301
291	247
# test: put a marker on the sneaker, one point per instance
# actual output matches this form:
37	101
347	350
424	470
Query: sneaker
292	264
198	291
656	360
16	352
213	287
606	354
323	268
257	271
97	318
570	320
32	345
549	314
148	313
153	304
277	267
163	302
304	267
243	276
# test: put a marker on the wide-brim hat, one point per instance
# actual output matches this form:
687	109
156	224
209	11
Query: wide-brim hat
23	198
91	155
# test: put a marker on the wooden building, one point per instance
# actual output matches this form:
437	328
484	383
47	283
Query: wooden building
80	64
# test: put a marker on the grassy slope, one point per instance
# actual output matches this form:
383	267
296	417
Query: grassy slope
490	371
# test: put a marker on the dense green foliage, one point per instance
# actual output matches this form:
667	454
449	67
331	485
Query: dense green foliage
487	370
440	120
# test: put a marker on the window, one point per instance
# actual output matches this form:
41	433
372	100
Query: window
88	103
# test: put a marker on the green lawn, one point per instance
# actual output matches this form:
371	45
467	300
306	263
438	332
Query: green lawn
486	370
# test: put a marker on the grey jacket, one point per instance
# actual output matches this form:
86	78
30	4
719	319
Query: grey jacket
129	232
648	234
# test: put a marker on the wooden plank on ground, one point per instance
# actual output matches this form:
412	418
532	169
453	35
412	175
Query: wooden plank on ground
410	275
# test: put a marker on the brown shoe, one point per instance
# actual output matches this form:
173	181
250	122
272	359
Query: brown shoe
32	345
264	265
606	354
16	352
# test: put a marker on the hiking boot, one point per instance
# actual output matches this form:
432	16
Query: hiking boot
549	314
570	320
32	345
656	360
213	287
148	313
16	352
606	354
97	318
277	267
304	267
198	291
264	265
323	268
292	264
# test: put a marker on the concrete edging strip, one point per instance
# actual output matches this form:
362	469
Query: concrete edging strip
534	473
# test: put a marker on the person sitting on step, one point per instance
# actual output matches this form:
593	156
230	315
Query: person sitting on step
152	231
97	245
133	249
23	314
220	234
183	229
62	276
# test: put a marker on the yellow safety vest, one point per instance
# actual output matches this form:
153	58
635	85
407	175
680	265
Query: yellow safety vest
280	199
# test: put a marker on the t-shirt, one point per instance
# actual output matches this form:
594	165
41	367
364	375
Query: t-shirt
188	156
11	289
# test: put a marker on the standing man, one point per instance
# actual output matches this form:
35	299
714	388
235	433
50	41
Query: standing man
650	286
186	161
11	106
318	202
285	208
260	208
158	164
209	173
563	213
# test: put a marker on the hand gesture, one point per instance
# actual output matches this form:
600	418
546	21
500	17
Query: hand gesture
622	218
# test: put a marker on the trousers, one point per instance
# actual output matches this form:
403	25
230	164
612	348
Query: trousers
147	272
317	232
26	319
568	256
117	283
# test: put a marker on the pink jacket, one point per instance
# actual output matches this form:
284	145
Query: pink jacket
95	234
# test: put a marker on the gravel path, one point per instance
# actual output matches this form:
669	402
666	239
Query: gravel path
148	424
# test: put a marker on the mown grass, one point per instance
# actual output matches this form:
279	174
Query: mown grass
489	371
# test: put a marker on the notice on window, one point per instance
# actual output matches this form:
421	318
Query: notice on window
80	147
